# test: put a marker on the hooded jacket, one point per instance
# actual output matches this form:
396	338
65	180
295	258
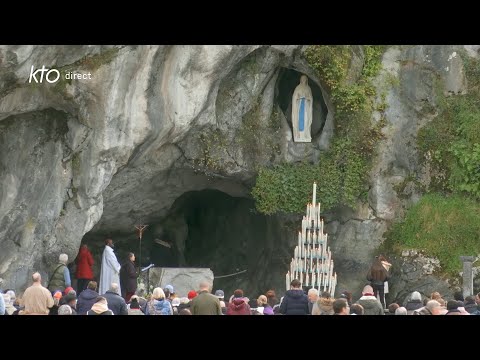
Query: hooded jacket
371	305
323	306
295	302
238	307
85	301
413	305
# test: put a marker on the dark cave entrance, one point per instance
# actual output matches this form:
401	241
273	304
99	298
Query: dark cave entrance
211	229
288	79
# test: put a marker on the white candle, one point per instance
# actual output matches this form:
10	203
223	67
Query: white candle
334	284
287	281
314	193
318	215
311	260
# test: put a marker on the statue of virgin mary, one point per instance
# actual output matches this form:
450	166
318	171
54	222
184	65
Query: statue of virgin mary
302	106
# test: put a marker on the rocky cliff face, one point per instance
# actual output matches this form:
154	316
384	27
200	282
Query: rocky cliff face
155	123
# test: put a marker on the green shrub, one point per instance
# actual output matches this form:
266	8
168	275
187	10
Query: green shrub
451	142
444	227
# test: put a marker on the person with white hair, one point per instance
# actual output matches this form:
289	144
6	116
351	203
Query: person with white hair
60	278
312	299
9	308
115	301
159	305
415	303
36	299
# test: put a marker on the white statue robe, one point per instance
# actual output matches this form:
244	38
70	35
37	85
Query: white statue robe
109	272
302	93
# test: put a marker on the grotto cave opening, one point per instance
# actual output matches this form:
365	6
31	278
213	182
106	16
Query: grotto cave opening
211	229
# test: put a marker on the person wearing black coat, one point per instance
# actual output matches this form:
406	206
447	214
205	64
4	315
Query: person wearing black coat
115	302
377	275
295	301
128	278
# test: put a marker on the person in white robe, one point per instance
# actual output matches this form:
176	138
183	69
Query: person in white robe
110	270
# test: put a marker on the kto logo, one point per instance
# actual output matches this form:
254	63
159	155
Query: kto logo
52	75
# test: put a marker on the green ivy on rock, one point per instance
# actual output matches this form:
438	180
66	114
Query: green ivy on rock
445	227
342	171
451	142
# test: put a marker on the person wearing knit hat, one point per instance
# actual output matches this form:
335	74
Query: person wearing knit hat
169	293
221	295
100	307
67	290
415	303
175	304
57	296
71	300
191	294
64	298
134	306
65	310
184	303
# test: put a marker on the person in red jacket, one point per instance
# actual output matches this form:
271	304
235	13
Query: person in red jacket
238	306
84	263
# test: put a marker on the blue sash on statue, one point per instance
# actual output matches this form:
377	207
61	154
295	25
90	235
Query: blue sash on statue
301	115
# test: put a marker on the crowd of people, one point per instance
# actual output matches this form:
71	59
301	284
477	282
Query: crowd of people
38	300
117	294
